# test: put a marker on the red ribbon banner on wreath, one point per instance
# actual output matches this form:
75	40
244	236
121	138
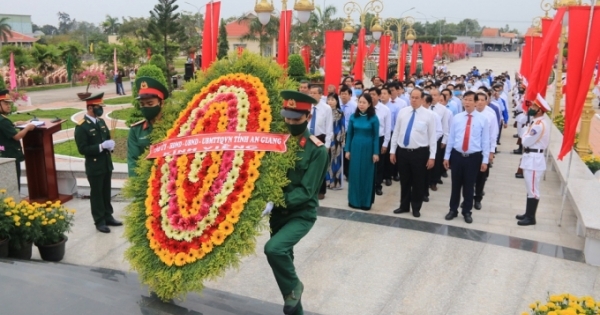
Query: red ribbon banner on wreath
222	141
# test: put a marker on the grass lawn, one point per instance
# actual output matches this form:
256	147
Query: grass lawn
122	114
63	113
119	154
127	99
179	63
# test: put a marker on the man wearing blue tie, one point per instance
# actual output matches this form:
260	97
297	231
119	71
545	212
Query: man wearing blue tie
467	153
414	143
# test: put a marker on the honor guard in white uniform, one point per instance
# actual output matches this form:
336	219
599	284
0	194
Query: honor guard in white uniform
535	140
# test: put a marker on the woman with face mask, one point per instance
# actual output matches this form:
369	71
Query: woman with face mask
151	96
362	149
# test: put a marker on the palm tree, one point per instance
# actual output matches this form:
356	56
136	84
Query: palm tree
46	58
265	35
5	31
111	25
312	33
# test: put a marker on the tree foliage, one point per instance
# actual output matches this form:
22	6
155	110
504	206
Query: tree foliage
191	25
223	43
45	58
163	24
22	58
110	25
75	50
296	67
265	35
134	27
64	22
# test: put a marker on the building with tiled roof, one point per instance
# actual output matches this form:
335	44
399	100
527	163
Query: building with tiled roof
238	29
20	39
490	32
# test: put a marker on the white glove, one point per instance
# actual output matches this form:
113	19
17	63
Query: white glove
108	144
268	209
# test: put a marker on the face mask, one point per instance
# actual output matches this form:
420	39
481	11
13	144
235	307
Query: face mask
532	112
150	112
456	93
98	111
297	130
357	92
409	90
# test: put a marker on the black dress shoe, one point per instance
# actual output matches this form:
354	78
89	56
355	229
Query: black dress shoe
451	215
462	204
516	136
388	182
445	174
416	214
477	205
468	218
378	192
433	187
102	228
113	222
396	178
520	216
440	182
426	199
483	193
517	175
397	211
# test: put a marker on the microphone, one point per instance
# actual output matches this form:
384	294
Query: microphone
57	119
34	118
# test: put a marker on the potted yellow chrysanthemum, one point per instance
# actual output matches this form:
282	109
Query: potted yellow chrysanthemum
564	304
25	227
55	221
6	225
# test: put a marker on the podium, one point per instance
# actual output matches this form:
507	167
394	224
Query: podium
40	165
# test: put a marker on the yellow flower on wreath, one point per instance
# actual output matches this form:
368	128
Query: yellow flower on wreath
207	247
218	237
180	259
226	228
232	217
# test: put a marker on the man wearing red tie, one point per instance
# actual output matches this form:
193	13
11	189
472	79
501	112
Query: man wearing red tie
467	153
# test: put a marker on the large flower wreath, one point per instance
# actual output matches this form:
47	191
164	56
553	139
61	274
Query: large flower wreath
195	215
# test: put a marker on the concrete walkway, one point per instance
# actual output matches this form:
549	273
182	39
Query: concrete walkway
374	264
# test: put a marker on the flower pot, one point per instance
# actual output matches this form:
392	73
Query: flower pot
54	252
4	248
24	252
83	96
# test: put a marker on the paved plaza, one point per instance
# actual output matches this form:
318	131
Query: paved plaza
376	262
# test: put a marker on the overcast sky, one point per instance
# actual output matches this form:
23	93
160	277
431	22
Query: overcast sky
517	13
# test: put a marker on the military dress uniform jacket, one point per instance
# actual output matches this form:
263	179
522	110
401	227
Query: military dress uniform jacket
536	137
137	142
88	137
305	180
11	147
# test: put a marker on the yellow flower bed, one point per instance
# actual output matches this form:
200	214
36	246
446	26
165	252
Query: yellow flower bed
564	304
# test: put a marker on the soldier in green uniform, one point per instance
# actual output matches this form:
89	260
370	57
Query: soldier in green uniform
290	224
151	96
10	139
93	141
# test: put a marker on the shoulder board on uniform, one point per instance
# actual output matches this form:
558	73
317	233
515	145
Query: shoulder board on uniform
138	123
316	141
99	119
81	122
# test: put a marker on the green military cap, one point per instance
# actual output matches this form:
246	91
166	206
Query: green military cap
296	104
150	87
95	100
4	96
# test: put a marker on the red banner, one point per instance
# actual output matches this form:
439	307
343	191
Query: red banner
427	52
285	27
413	59
583	52
402	62
306	57
526	57
210	34
334	40
384	54
538	80
222	141
360	56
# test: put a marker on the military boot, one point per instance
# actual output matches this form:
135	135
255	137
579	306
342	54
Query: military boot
292	300
529	219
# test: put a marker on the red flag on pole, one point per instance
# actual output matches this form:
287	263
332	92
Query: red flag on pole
402	62
285	26
358	66
413	59
210	33
334	40
384	53
12	72
526	57
583	51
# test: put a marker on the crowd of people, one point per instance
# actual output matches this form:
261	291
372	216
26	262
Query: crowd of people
414	131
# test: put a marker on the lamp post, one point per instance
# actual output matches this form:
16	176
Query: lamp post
410	36
441	25
373	6
426	21
264	9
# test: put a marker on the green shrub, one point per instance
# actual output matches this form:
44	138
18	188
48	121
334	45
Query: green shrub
296	67
2	84
38	79
160	61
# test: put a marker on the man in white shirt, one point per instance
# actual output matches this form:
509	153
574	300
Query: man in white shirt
397	93
348	107
304	87
385	129
439	107
482	107
390	171
415	144
321	125
439	134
